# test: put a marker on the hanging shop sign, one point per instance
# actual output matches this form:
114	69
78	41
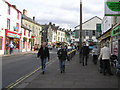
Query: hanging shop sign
115	31
13	35
112	8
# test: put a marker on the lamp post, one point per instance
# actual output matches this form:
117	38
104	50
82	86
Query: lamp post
80	38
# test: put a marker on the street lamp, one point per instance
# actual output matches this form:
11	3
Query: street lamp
80	38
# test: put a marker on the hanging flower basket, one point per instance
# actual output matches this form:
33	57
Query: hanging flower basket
24	39
30	40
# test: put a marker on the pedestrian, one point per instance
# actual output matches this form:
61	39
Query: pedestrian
62	55
43	53
85	53
11	47
95	55
105	57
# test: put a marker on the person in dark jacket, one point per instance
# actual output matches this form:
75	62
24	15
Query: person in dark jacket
84	52
43	53
62	55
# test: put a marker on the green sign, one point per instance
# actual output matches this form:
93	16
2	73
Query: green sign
98	27
114	6
115	31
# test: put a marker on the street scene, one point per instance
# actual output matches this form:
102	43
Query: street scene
60	44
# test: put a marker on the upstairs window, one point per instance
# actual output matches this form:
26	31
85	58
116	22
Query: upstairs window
18	15
9	9
93	33
17	25
8	24
29	34
24	32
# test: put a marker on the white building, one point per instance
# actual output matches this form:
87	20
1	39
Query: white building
106	23
61	36
89	30
26	39
10	29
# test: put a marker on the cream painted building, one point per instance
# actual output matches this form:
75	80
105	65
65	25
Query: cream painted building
61	35
35	27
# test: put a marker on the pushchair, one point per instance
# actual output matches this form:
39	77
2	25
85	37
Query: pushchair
113	60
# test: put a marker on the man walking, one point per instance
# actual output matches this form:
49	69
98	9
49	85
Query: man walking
62	55
84	52
11	47
95	55
43	53
105	56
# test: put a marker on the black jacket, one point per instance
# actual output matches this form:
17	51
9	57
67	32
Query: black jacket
43	53
85	50
62	54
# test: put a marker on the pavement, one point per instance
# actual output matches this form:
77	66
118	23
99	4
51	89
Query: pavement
18	54
76	76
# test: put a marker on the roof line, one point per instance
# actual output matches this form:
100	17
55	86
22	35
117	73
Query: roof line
89	20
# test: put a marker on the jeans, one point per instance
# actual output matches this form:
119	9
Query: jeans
106	66
43	62
95	57
85	57
62	65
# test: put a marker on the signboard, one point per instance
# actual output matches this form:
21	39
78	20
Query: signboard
116	31
13	35
112	8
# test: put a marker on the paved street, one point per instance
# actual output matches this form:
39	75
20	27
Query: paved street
17	66
76	76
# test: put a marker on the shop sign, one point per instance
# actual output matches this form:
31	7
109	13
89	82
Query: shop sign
112	8
13	35
116	31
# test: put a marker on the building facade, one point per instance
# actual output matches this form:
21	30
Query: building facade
89	31
36	29
11	26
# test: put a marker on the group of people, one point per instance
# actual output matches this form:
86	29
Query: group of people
43	53
103	57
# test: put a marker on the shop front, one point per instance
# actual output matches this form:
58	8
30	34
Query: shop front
14	38
116	41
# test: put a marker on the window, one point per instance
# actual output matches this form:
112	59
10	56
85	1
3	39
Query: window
58	33
24	32
8	24
17	25
1	38
18	15
9	9
29	45
23	45
93	33
29	34
58	38
86	33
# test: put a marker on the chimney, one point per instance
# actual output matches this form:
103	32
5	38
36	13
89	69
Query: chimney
25	12
14	6
50	23
33	18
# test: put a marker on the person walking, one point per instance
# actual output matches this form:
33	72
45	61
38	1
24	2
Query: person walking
95	55
84	52
105	57
43	53
62	55
11	47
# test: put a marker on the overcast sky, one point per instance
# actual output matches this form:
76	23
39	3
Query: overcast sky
65	13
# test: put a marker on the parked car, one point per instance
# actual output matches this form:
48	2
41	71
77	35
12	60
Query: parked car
50	47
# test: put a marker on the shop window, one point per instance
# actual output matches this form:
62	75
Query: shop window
1	39
24	32
8	24
16	43
23	45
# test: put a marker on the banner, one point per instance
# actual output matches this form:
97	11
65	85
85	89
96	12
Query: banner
112	8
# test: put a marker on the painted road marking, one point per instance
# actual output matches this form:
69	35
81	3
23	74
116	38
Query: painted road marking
25	77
